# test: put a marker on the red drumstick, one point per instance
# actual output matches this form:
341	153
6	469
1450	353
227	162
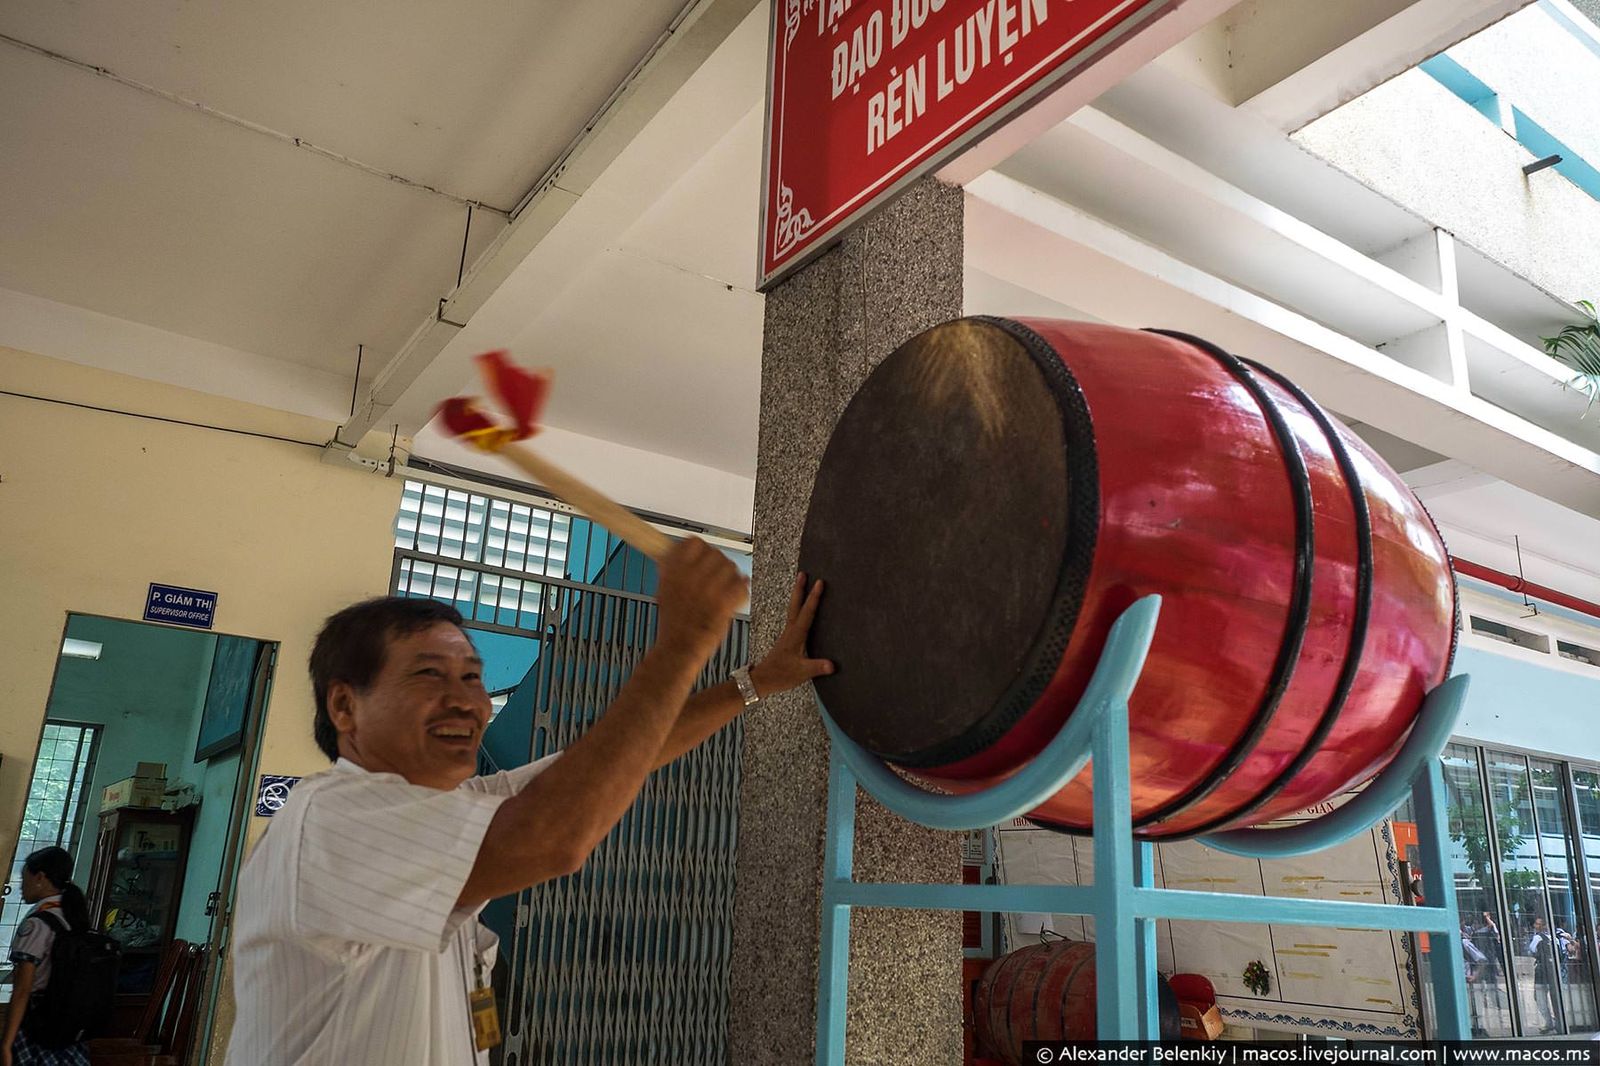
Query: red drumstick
521	392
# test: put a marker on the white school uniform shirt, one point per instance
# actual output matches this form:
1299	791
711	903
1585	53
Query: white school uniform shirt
35	937
349	949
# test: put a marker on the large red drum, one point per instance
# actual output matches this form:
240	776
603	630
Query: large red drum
999	491
1047	992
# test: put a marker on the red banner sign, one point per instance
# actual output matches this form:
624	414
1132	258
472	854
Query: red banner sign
868	95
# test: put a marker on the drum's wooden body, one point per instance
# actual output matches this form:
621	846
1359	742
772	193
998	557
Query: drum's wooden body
999	491
1047	992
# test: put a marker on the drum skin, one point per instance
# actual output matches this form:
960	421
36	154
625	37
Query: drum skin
1308	603
1047	992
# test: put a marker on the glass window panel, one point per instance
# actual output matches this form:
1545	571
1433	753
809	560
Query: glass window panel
1586	789
505	604
539	538
1522	876
532	600
477	527
62	769
467	592
1569	927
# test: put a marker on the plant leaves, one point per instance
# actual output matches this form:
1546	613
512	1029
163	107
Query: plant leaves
1578	347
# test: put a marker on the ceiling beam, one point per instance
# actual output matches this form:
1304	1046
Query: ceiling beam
78	335
691	41
1023	237
1294	60
1165	32
1447	477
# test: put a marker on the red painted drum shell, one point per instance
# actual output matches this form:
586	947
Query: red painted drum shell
1408	649
1040	992
1047	992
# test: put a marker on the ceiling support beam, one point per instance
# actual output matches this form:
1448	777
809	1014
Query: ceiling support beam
1187	18
1294	60
691	41
1023	237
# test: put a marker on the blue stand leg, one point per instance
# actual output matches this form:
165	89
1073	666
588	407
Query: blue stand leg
838	867
1116	976
1144	931
1448	964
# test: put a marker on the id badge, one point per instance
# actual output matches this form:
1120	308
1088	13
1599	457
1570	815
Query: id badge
485	1019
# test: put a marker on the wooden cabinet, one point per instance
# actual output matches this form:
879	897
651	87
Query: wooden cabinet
136	885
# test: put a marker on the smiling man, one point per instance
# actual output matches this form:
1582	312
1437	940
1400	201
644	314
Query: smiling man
356	940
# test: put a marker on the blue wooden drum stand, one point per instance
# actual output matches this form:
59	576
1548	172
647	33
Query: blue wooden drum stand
1122	900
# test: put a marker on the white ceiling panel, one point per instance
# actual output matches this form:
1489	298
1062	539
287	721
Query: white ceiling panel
654	358
122	203
167	188
475	96
708	222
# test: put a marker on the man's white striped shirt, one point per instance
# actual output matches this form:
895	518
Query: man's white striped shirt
348	945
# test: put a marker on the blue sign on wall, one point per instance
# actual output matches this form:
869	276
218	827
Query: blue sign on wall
180	606
273	793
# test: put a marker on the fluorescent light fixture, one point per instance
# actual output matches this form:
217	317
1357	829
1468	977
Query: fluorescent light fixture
80	649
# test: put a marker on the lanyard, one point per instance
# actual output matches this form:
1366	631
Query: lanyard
480	995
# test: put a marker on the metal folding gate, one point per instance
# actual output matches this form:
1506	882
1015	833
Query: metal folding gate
626	962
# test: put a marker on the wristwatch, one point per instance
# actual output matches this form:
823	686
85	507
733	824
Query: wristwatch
747	688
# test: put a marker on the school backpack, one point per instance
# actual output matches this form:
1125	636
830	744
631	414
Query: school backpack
77	1003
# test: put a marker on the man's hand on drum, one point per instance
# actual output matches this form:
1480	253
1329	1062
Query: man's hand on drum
787	664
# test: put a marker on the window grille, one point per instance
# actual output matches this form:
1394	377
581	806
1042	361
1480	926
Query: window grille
57	804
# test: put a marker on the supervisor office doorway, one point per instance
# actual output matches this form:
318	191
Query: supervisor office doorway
147	751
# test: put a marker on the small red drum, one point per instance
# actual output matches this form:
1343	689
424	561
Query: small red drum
1047	992
999	491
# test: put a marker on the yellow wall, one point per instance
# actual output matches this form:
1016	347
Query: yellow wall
95	506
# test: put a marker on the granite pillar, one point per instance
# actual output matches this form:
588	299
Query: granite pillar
826	327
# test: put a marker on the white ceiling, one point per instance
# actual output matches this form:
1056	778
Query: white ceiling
1486	520
476	97
186	205
1495	524
1246	150
656	341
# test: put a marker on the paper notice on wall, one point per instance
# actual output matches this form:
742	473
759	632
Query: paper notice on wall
1323	981
972	848
1033	924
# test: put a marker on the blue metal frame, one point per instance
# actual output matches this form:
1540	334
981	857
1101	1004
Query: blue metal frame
1122	900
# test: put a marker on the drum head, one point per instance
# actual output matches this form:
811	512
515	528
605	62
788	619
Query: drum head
953	521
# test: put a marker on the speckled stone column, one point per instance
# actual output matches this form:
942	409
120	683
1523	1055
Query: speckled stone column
826	328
